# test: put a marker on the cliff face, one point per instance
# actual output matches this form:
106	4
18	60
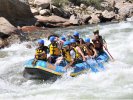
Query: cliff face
16	12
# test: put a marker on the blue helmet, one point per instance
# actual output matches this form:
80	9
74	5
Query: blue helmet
76	33
40	41
87	40
73	41
63	38
66	43
52	39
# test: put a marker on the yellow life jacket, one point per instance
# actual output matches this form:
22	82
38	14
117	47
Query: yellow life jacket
67	55
54	50
77	53
40	55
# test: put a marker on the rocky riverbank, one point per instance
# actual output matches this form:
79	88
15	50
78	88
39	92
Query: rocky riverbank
22	20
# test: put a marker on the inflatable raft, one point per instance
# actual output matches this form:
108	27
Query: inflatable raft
46	71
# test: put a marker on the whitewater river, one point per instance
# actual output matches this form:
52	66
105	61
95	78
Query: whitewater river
116	82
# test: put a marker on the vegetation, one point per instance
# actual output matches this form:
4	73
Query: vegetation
60	3
95	3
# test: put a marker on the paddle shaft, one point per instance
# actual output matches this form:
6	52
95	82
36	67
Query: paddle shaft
109	53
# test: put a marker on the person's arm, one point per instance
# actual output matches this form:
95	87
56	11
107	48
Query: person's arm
95	52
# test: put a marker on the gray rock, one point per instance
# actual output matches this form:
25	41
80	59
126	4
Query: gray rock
42	3
94	19
60	12
6	27
83	6
17	12
34	11
74	20
45	12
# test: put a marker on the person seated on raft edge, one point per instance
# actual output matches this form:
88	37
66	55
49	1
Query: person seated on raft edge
89	49
54	50
68	54
79	54
99	42
41	52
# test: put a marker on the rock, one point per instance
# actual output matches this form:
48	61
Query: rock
14	38
77	7
51	19
6	28
45	12
90	8
17	12
60	12
30	29
31	2
73	20
86	18
35	33
44	4
107	14
34	11
83	6
104	4
94	19
40	8
66	24
125	9
3	43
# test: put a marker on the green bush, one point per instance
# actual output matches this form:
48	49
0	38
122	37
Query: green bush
94	3
60	3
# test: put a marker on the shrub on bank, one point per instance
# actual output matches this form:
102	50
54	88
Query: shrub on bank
60	3
94	3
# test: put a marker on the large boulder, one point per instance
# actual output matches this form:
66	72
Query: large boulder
42	3
60	12
17	12
6	28
51	19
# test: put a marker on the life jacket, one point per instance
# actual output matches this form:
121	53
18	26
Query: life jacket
41	53
54	50
78	55
66	55
83	49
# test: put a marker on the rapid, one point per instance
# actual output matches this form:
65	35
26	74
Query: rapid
116	82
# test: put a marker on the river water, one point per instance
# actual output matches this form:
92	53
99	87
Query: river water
116	82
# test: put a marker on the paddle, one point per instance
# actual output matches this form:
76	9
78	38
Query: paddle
109	53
